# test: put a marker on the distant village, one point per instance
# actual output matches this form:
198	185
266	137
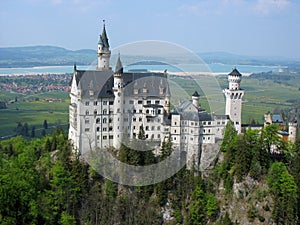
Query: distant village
29	84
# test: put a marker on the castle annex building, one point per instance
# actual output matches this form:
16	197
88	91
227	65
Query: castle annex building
110	106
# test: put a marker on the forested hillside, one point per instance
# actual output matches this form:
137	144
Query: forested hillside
42	182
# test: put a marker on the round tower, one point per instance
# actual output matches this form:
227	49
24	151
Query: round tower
234	79
293	131
118	104
103	51
234	95
195	99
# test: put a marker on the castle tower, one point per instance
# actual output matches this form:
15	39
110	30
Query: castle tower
118	104
103	51
195	99
234	95
293	131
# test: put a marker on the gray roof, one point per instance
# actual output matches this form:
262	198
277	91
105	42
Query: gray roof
276	118
235	72
199	115
101	82
119	66
148	84
196	94
103	40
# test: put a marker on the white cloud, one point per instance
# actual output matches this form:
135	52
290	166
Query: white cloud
268	6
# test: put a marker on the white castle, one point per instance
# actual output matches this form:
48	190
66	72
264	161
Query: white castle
108	107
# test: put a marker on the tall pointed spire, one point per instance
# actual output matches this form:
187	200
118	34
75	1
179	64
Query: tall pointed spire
119	66
103	37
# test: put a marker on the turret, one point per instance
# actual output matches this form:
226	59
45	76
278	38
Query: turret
195	99
234	79
293	131
103	51
118	104
234	95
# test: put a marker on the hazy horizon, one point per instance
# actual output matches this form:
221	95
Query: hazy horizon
260	28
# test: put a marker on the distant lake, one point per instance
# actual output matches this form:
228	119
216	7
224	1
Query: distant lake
215	67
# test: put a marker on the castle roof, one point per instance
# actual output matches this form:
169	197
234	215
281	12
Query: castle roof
102	82
189	112
196	94
119	66
235	72
103	40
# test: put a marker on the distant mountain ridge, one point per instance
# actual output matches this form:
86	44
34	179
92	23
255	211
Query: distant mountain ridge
31	56
44	56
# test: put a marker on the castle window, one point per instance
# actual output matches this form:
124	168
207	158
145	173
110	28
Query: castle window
134	119
158	128
104	137
208	130
152	136
98	129
209	123
104	111
218	122
98	137
140	102
131	102
148	120
175	123
203	130
110	120
192	123
87	103
208	138
104	129
140	111
157	102
134	127
158	136
223	122
104	102
110	129
204	123
147	135
196	124
87	129
104	120
87	121
175	131
87	112
95	112
203	138
149	102
118	110
159	111
147	127
140	119
174	138
152	128
95	103
147	111
191	138
111	102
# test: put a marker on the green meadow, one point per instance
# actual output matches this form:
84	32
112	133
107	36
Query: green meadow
33	110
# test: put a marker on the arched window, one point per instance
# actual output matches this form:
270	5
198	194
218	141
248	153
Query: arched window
87	112
95	112
104	111
104	120
98	120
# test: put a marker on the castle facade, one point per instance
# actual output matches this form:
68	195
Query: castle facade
109	108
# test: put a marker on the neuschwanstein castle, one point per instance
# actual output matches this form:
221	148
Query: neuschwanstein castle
108	107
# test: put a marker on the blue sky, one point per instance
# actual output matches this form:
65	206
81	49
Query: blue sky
258	27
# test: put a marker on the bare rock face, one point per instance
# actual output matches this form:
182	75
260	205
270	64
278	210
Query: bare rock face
208	155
